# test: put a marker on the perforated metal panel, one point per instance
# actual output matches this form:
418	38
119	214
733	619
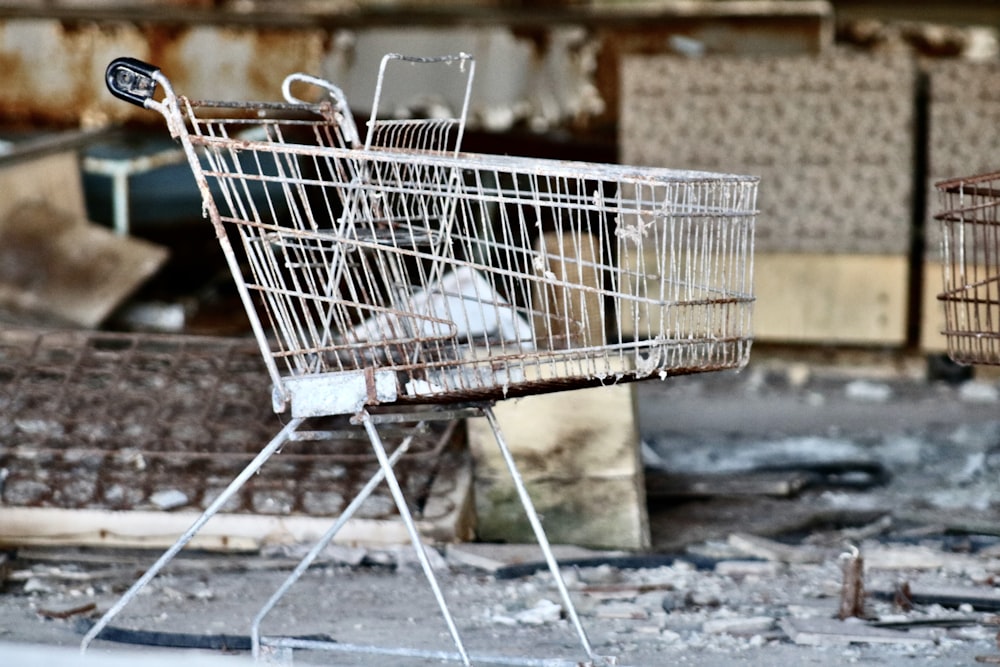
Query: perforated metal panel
830	136
963	117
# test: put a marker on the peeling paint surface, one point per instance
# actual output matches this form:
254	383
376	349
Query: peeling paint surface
516	80
43	70
243	64
555	73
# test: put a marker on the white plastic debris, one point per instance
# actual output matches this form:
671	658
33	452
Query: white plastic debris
462	304
868	391
169	499
979	392
35	585
154	316
544	611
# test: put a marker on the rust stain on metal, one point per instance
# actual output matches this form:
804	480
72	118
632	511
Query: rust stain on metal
852	592
52	65
250	63
52	68
42	77
370	389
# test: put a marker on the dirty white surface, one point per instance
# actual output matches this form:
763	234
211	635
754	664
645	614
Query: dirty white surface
733	597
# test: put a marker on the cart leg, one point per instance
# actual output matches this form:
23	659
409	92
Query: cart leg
411	528
327	537
536	526
249	471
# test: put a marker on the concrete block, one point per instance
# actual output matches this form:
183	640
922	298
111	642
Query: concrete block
579	457
855	299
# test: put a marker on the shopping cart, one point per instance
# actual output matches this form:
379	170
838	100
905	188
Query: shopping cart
401	280
970	249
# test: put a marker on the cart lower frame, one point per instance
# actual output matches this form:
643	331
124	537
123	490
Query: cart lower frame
263	645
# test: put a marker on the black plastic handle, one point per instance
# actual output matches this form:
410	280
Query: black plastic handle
131	80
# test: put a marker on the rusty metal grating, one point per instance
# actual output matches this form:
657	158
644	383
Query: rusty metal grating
103	420
970	249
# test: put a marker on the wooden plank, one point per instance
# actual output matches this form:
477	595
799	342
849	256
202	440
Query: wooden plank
446	518
829	631
20	526
148	529
854	299
64	267
931	310
157	530
54	179
52	261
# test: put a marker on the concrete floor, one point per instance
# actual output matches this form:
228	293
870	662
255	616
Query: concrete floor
936	439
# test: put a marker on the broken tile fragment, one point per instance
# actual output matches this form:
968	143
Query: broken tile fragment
738	625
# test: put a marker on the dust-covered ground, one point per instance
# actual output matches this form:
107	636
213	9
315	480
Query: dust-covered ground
878	464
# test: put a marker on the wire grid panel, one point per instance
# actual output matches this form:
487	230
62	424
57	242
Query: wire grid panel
422	122
443	278
970	247
106	421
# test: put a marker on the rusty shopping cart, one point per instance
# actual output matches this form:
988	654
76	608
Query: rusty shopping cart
400	280
970	250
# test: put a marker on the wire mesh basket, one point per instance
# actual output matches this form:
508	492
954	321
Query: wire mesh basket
406	274
970	249
388	279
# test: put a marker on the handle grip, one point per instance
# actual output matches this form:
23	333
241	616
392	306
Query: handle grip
131	80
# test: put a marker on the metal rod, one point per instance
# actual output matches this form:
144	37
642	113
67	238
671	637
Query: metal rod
411	528
306	644
536	526
437	414
250	470
344	517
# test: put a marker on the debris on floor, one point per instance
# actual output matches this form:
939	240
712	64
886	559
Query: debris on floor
852	592
740	567
642	612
